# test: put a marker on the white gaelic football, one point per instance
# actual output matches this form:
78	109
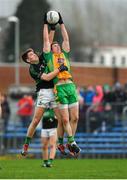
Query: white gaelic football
52	17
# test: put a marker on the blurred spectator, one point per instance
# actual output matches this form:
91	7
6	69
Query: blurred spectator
82	93
107	117
5	110
81	121
108	94
94	121
119	99
95	118
25	110
1	128
119	94
89	94
125	91
1	120
97	99
0	106
88	100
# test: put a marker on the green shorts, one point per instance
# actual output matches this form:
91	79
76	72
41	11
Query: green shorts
66	93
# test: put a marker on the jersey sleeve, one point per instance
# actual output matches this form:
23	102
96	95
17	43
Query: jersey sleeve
47	56
46	71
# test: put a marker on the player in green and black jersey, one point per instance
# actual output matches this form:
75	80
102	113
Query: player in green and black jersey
44	88
49	137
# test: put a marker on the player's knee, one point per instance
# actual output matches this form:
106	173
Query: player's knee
65	121
52	146
76	119
45	146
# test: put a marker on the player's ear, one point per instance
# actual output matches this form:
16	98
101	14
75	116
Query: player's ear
27	60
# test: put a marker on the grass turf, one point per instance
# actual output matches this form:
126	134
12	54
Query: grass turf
64	169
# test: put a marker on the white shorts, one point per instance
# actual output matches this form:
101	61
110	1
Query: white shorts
48	132
46	98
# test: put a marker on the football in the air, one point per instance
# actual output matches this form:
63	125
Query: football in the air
52	17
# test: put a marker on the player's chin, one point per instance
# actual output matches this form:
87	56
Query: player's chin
34	61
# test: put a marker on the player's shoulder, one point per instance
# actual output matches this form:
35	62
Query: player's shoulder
48	55
31	68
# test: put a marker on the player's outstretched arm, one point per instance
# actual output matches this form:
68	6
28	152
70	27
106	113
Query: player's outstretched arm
52	32
66	43
51	36
46	46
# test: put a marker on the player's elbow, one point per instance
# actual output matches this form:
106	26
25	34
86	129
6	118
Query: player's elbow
46	50
68	49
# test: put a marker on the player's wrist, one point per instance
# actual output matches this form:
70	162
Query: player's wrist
45	18
60	19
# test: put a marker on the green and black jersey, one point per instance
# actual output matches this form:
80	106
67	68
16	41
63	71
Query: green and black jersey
35	70
49	121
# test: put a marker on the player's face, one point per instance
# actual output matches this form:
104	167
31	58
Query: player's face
32	57
56	48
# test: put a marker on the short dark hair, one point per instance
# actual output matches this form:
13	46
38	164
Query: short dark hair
24	54
54	42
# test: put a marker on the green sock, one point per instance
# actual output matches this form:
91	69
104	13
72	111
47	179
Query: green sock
50	160
27	140
45	161
60	140
70	139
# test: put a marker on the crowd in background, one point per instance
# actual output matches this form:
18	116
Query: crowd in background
104	103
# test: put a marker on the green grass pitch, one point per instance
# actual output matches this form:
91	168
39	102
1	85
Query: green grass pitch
64	169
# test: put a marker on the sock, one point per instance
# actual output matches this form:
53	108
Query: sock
27	140
45	161
50	160
70	139
60	140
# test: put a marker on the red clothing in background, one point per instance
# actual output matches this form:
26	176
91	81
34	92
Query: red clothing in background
25	105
